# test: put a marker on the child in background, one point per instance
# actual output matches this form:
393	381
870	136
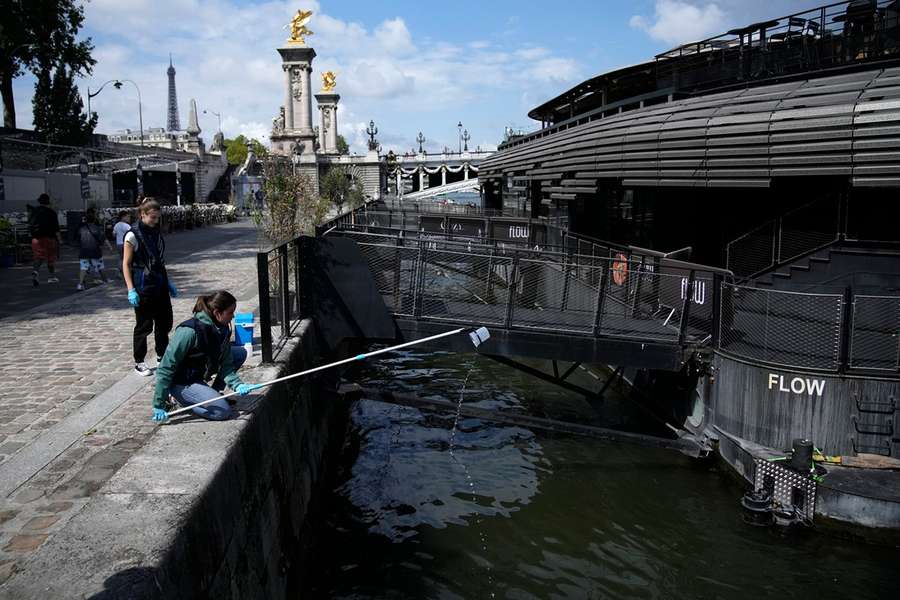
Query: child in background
121	228
90	251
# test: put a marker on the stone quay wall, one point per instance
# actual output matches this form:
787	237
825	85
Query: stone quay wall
247	535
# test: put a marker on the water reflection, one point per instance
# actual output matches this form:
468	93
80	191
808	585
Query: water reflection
393	483
552	517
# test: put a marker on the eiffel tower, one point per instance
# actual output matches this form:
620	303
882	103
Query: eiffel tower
172	123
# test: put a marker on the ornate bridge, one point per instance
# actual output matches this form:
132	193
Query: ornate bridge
466	185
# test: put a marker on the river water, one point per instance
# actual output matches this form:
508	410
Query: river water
509	513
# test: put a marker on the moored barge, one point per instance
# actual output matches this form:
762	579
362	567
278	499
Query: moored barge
772	151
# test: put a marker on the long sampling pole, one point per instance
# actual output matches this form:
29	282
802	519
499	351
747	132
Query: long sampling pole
477	336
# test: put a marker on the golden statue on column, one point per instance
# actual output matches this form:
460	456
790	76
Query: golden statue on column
299	30
329	81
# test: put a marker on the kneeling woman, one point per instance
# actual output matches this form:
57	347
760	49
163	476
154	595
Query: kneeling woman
200	348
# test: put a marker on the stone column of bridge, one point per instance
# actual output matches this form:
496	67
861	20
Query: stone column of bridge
297	64
328	125
288	103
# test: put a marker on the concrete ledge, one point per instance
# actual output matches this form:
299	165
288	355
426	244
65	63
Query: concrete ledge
205	509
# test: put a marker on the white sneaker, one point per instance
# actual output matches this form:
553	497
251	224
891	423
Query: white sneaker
53	280
79	287
142	369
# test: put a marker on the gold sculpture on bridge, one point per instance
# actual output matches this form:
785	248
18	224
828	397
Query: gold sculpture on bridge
329	81
298	27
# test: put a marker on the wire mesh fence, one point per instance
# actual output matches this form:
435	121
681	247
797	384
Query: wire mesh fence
753	252
874	333
783	328
464	287
794	234
447	280
808	228
556	296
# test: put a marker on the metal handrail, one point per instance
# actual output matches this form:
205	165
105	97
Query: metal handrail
777	257
825	30
551	249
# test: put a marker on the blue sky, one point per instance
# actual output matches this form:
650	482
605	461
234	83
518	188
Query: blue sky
409	65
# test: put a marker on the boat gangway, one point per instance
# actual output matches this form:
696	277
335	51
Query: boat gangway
544	293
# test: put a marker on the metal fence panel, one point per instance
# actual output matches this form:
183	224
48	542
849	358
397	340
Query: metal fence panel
394	271
463	287
784	328
754	251
554	296
640	303
874	334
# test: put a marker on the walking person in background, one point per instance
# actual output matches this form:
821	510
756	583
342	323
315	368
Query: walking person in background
121	228
149	288
45	239
90	248
200	348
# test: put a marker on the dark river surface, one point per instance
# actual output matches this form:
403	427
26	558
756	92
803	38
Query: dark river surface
497	511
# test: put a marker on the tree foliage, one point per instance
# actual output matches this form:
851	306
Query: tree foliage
59	115
338	188
236	149
290	206
40	36
342	146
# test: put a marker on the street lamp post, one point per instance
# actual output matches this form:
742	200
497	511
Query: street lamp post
459	135
92	94
465	138
218	115
118	85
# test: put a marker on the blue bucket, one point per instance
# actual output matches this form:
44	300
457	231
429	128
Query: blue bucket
243	329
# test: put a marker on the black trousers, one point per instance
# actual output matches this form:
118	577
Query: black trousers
153	313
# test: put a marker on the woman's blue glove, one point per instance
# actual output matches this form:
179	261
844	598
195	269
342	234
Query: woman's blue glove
133	298
160	415
245	388
173	291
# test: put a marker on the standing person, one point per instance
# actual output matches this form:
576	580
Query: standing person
45	239
120	230
149	288
200	348
90	250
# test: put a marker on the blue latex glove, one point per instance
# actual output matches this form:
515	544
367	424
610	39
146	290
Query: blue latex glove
173	291
160	415
133	298
245	388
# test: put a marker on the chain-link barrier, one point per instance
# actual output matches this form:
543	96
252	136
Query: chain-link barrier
784	328
874	333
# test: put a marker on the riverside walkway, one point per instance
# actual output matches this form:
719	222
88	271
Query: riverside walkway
73	412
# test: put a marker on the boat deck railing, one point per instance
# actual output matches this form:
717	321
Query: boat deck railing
832	38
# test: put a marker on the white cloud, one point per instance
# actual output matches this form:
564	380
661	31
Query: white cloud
679	21
225	57
394	36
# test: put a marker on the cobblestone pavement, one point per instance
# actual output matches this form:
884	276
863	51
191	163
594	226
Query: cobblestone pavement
19	295
58	357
